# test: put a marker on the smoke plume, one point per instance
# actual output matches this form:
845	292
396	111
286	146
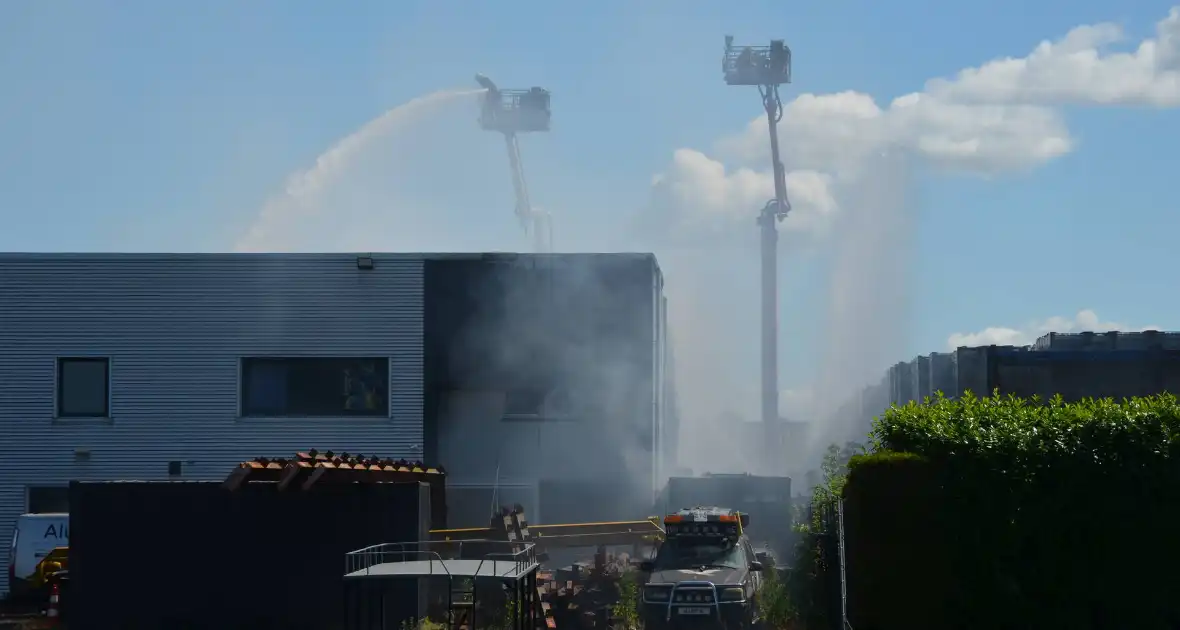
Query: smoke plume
711	287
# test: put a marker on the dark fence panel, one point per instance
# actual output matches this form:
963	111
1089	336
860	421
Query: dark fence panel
831	571
192	555
381	604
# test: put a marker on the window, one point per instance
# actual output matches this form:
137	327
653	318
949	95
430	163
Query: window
682	555
42	499
83	387
315	387
524	401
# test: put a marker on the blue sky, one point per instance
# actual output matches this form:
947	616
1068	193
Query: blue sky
138	126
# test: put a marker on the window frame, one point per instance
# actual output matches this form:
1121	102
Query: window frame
59	413
246	413
52	487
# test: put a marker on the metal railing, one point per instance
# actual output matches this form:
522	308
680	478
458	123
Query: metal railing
834	580
751	64
520	559
846	625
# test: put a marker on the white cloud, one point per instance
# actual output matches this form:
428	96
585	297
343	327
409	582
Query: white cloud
1085	321
697	196
1078	69
998	117
835	132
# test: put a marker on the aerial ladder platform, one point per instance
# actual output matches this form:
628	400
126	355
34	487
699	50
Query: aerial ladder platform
513	112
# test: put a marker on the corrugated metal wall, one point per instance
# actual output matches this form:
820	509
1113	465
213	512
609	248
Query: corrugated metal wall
660	411
475	443
589	323
1075	365
175	328
1077	374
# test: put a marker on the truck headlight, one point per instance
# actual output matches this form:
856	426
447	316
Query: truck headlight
656	593
732	594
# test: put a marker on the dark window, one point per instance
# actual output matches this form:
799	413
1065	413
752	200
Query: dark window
525	401
44	499
315	387
83	387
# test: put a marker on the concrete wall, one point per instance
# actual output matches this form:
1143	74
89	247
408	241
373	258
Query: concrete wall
943	375
1076	365
1146	340
1087	374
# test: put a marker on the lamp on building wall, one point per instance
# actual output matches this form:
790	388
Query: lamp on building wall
364	262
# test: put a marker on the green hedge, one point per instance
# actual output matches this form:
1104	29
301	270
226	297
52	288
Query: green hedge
1005	513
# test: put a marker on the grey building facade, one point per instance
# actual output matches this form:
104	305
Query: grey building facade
1074	365
157	366
547	384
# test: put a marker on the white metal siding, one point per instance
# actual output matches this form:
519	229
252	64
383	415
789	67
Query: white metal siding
175	328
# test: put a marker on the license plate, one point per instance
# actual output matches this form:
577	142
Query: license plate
694	610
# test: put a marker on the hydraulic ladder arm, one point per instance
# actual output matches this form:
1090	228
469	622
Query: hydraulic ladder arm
534	221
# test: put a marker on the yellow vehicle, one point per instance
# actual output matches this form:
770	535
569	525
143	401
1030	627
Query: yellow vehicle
35	536
54	561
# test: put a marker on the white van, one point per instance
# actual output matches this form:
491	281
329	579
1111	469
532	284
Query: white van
35	536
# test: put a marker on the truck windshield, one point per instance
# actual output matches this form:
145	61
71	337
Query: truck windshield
678	555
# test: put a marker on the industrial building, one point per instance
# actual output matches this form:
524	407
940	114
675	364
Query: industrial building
538	379
1074	365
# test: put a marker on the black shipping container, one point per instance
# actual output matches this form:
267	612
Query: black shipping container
193	555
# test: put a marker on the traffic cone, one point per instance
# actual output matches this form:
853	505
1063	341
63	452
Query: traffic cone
52	612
